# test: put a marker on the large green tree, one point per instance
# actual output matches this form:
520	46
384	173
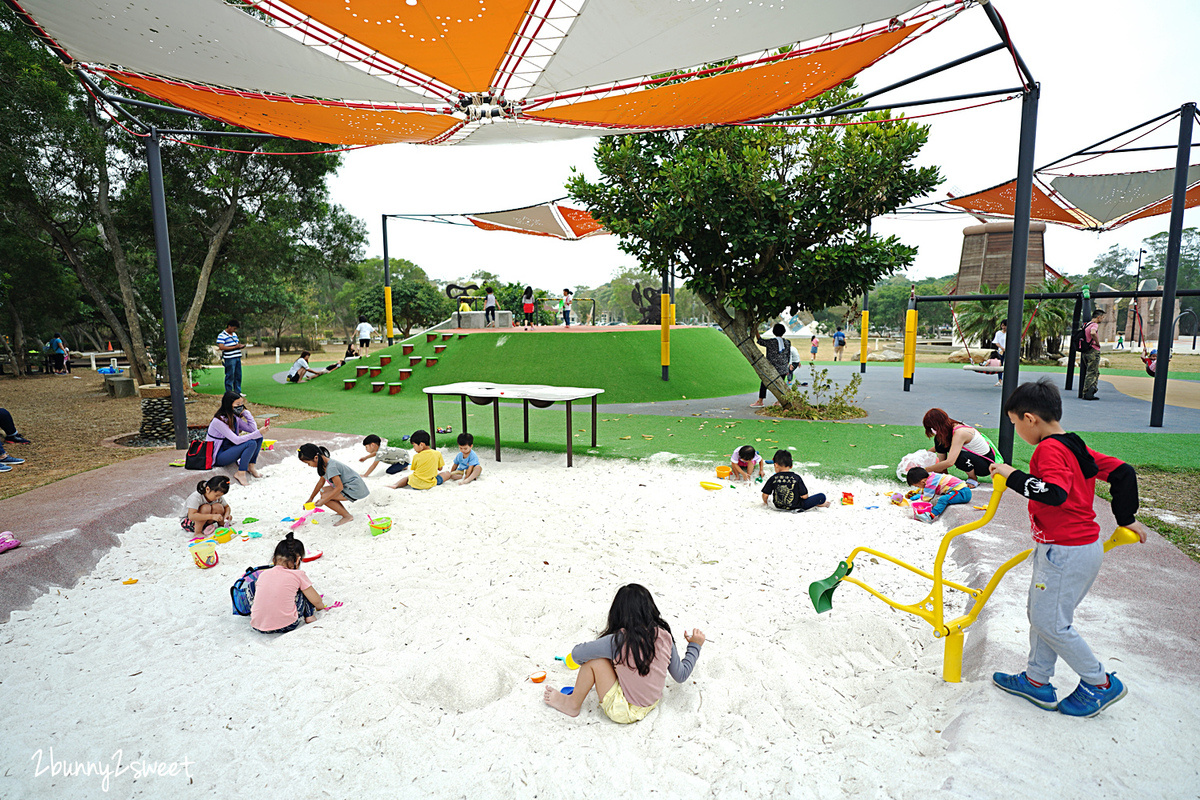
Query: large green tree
756	219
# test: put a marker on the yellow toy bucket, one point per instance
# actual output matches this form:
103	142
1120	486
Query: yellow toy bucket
223	535
204	553
268	443
723	471
380	525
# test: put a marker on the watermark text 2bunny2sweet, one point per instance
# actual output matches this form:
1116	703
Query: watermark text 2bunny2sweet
46	765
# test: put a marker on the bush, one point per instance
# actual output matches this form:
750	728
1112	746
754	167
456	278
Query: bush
821	399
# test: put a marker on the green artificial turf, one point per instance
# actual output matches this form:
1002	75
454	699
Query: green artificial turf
705	364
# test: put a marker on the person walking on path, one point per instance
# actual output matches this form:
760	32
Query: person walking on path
1089	348
839	343
364	331
231	356
489	308
1000	342
60	355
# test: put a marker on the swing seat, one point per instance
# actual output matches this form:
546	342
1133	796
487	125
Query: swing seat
984	370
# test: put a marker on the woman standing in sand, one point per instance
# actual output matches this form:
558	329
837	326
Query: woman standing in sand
237	437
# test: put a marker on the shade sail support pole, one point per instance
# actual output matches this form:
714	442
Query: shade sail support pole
1166	333
166	287
1020	254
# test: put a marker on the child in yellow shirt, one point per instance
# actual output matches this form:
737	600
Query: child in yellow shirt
427	464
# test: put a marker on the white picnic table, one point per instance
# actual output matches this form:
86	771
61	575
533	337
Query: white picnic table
482	393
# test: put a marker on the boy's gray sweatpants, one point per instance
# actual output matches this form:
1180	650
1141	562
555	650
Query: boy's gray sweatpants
1062	576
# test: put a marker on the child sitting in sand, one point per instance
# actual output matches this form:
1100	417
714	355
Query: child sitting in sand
1067	553
207	507
284	597
788	489
940	489
466	467
337	483
426	465
395	457
743	461
628	664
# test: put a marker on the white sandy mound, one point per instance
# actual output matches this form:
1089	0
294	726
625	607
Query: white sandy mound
418	686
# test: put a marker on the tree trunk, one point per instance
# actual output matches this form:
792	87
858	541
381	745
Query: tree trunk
18	357
743	333
215	243
139	361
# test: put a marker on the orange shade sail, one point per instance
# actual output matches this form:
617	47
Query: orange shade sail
1191	199
732	97
458	42
1001	200
297	119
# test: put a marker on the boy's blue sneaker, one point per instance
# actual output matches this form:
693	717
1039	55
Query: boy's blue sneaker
5	468
10	460
924	516
1042	696
1088	700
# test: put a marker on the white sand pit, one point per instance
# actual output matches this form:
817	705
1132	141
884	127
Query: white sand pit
418	686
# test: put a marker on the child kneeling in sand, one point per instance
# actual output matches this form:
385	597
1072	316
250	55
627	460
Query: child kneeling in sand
284	597
628	664
787	488
743	462
395	457
337	483
1067	553
207	508
425	465
466	466
940	489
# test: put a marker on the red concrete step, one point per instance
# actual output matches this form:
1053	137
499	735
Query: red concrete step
349	383
430	337
447	337
377	386
405	374
362	371
439	348
408	348
414	360
394	388
431	362
375	371
463	335
385	360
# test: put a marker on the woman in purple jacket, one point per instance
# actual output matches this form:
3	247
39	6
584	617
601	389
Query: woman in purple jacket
237	438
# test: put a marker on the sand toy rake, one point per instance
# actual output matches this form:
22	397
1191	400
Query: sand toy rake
931	609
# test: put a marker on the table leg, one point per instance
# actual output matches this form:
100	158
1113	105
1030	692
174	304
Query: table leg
570	437
525	409
593	420
496	424
464	413
432	426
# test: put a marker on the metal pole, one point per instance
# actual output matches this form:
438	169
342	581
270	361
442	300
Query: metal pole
1166	333
166	287
387	285
1075	317
665	335
910	339
1020	252
866	318
862	347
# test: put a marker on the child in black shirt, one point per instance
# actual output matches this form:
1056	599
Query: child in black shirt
788	489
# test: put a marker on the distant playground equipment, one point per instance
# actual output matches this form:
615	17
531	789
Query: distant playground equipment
932	609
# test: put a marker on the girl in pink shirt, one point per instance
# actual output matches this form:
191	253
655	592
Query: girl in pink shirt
284	597
628	664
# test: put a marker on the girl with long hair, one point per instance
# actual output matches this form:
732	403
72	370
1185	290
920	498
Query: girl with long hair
237	436
959	445
628	664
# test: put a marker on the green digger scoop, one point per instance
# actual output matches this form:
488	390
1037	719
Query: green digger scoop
821	592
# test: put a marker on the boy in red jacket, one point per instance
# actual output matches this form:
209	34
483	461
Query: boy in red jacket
1061	485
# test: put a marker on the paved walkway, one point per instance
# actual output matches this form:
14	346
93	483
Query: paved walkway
969	396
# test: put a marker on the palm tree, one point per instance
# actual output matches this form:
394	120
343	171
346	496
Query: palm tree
980	319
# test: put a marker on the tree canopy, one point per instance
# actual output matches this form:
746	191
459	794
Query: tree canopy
759	218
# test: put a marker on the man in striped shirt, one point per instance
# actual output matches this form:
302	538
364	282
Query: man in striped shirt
231	355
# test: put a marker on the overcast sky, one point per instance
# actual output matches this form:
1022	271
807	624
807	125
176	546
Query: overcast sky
1104	66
